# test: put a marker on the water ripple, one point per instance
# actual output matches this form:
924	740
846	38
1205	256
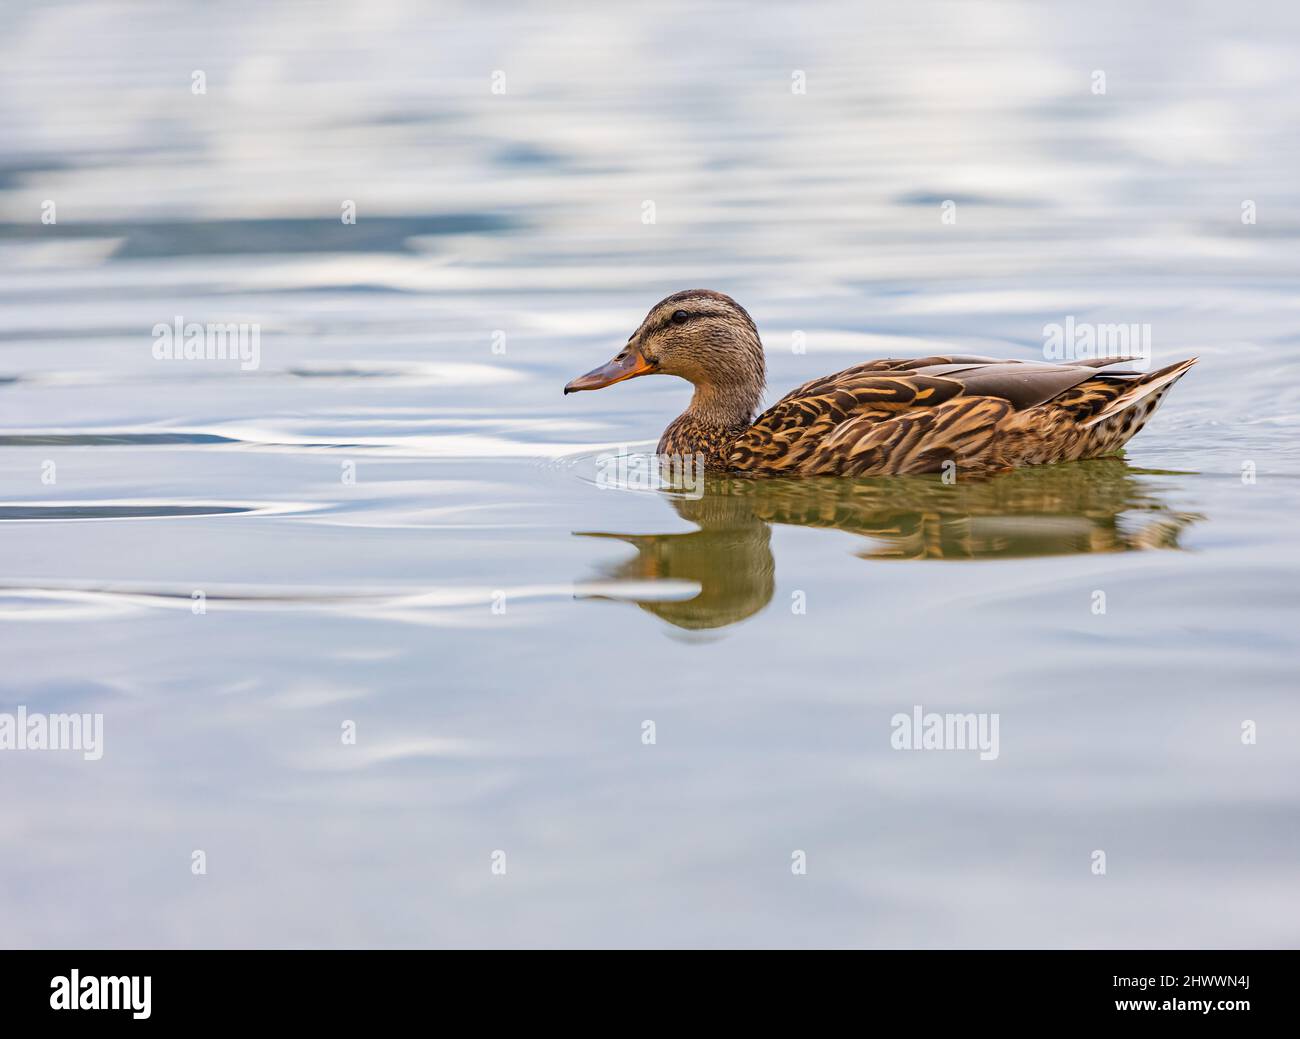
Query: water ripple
18	512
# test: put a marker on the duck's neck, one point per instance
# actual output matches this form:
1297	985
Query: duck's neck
726	407
716	417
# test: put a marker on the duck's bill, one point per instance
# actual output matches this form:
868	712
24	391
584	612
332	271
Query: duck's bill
627	365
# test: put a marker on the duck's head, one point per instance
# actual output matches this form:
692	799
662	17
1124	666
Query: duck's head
698	335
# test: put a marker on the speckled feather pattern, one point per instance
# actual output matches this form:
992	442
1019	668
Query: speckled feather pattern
897	417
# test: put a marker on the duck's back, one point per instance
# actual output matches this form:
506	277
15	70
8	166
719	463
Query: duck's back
912	416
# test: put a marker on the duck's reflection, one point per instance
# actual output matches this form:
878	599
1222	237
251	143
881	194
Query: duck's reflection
1098	506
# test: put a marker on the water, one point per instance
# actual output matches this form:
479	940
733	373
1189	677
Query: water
392	524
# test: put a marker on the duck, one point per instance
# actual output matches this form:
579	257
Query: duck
887	417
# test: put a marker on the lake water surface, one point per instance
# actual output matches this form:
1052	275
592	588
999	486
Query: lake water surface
393	522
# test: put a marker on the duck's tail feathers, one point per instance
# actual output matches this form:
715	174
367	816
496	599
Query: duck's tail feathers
1141	389
1104	362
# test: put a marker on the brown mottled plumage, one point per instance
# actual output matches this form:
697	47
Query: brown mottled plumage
880	417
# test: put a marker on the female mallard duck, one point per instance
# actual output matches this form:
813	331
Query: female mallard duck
879	417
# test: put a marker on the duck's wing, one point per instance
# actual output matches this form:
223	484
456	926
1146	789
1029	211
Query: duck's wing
884	365
900	415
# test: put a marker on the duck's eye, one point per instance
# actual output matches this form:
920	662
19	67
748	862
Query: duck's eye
681	317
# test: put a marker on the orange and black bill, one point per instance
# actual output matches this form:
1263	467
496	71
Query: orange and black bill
627	365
